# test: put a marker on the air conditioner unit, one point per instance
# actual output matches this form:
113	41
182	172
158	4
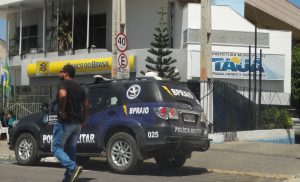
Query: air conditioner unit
33	51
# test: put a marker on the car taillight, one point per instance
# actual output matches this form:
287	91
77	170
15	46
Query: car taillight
163	112
166	112
173	113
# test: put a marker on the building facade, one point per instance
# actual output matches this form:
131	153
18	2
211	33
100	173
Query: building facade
279	15
35	59
2	50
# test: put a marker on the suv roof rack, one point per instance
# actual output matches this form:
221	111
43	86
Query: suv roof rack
100	79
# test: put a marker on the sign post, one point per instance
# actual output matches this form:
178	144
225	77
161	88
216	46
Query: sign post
205	62
123	65
119	38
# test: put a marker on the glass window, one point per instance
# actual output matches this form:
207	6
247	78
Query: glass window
33	30
29	37
102	99
25	32
98	30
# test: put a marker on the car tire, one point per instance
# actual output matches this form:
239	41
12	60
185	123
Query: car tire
172	162
122	153
26	150
205	147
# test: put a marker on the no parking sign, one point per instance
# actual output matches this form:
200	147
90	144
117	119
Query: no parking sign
123	60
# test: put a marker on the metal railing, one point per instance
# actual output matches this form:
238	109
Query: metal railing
234	111
22	109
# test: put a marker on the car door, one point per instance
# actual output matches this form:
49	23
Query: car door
105	109
46	129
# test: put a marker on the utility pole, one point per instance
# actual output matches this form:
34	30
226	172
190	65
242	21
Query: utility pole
115	30
255	76
205	39
118	26
205	62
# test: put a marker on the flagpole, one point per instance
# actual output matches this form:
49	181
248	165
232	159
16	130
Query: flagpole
2	84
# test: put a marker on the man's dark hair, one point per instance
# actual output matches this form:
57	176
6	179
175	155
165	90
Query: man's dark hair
70	70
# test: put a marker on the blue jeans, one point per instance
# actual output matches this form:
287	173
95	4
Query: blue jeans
65	137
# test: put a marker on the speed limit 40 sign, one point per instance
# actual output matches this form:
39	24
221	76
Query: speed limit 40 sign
121	42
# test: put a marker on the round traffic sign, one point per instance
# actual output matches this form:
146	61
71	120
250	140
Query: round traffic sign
123	60
121	42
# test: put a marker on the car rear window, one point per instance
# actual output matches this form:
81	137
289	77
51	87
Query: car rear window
141	92
176	92
158	91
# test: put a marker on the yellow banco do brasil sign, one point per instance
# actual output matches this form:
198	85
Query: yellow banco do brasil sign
82	66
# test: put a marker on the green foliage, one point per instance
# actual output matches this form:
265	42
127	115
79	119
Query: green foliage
273	118
13	45
64	30
296	76
163	62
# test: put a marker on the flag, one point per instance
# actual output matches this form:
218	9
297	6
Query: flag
1	79
5	80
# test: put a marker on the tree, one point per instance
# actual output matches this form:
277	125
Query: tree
163	62
296	76
64	30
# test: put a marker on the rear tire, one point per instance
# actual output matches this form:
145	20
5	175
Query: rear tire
170	162
122	153
26	150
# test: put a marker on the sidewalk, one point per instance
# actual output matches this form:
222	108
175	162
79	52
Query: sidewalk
236	158
5	153
278	161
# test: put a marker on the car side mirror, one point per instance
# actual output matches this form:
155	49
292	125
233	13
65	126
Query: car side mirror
44	107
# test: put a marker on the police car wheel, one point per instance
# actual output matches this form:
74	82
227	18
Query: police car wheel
122	155
26	150
174	161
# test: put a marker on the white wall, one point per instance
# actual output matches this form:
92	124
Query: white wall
32	17
142	19
224	18
178	25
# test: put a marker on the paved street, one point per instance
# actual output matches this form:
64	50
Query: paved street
235	161
97	170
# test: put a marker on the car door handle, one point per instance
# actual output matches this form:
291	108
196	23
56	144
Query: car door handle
111	112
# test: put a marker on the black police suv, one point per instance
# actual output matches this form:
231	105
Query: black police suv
129	120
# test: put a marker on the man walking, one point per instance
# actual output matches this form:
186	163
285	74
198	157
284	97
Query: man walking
72	116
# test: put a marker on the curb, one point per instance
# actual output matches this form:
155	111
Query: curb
7	157
279	136
13	157
289	178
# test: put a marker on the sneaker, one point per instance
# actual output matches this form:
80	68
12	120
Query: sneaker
75	173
